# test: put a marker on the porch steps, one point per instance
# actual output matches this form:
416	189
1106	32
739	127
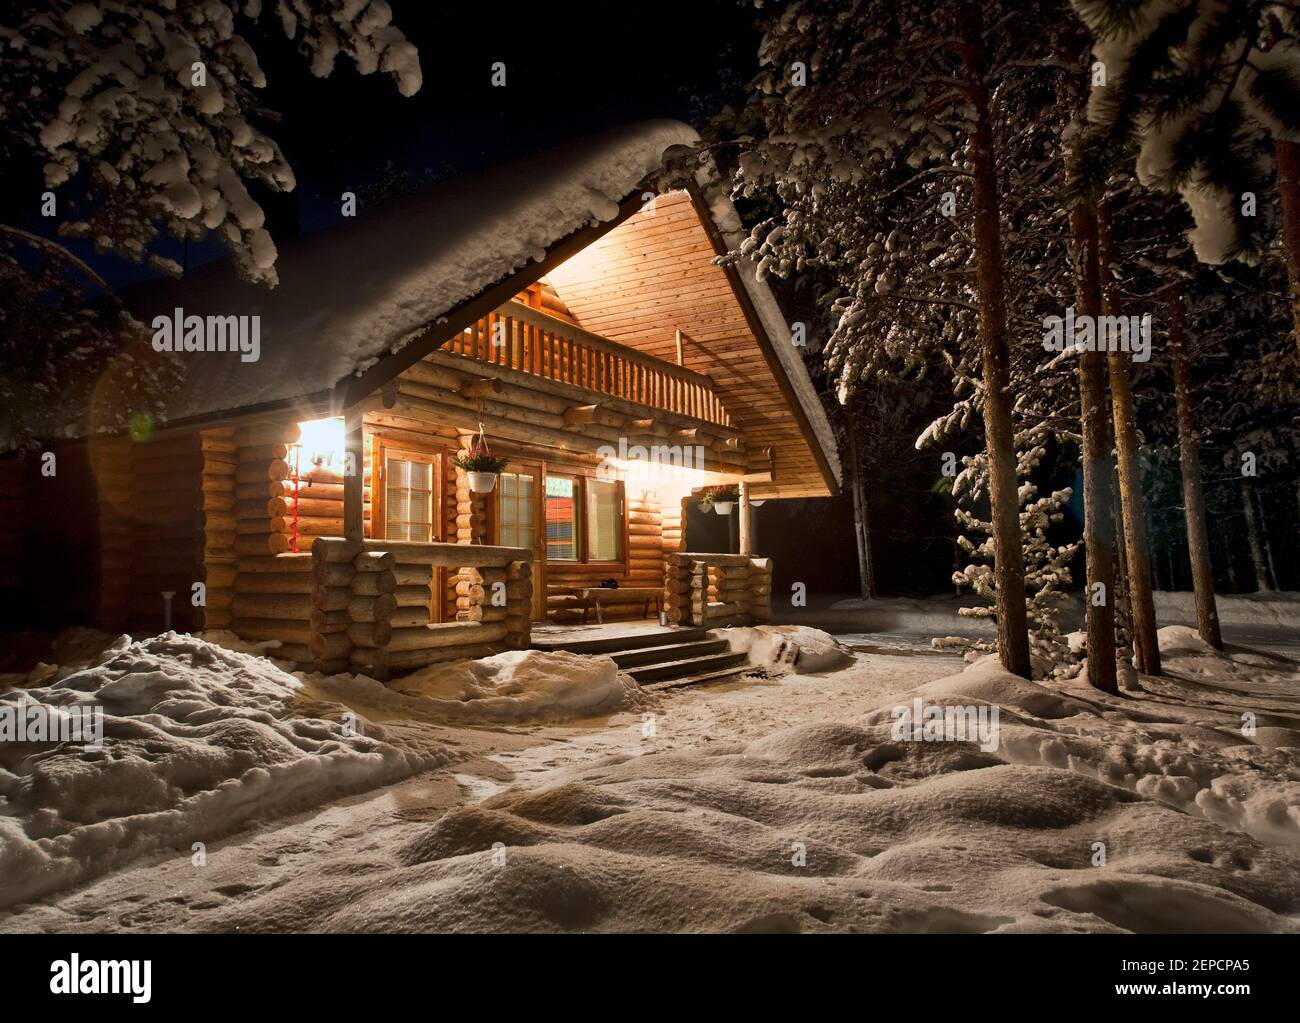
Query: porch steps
684	666
721	675
659	659
606	642
668	652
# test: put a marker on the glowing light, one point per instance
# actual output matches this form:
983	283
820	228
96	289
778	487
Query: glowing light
321	443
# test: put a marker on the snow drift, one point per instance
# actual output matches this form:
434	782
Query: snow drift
198	740
519	685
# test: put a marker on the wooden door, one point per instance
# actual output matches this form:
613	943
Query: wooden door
517	522
407	502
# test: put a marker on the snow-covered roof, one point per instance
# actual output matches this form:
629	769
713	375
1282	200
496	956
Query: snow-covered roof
351	294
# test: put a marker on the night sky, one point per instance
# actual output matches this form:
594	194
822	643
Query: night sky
572	69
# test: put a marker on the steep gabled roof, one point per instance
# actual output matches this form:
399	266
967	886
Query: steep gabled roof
352	294
359	303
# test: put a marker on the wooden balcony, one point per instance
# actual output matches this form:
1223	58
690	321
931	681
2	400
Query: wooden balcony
521	338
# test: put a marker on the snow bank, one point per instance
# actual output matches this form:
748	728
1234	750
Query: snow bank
197	741
1215	739
1243	609
936	616
797	648
518	685
819	827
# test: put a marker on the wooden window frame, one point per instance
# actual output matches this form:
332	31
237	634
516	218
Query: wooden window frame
379	491
582	525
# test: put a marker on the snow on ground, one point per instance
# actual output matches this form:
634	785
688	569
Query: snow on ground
520	685
796	648
196	741
789	804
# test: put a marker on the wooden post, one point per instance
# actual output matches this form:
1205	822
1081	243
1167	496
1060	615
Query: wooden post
354	476
679	347
746	530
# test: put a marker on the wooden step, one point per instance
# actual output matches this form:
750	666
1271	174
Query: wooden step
617	643
722	675
673	652
686	666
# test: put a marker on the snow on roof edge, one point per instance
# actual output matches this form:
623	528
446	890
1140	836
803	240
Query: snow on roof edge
727	221
354	294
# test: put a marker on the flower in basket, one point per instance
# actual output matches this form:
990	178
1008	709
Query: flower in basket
723	492
479	458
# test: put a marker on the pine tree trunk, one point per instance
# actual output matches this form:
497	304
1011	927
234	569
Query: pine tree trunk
1254	538
1288	184
861	526
1004	488
1189	458
1141	601
1098	527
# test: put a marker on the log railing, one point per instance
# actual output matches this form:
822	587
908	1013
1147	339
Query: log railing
713	590
519	337
371	603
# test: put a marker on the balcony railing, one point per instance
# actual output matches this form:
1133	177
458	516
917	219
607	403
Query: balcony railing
519	337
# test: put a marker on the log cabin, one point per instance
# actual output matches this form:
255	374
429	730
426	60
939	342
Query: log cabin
567	308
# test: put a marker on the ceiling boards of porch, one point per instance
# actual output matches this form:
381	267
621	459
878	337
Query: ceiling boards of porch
654	274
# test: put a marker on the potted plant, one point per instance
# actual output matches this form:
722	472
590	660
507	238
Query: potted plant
481	466
720	498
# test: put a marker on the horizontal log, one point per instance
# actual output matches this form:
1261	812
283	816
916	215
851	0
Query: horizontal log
407	574
309	507
372	634
450	634
267	433
330	646
369	584
448	555
261	543
408	596
296	606
275	582
410	617
372	609
259	629
275	563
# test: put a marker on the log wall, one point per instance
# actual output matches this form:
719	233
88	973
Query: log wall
369	604
715	590
111	457
166	526
220	462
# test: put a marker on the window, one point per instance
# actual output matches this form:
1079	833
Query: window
561	518
408	500
604	520
584	519
516	510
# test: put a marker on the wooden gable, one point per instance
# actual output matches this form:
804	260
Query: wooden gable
654	275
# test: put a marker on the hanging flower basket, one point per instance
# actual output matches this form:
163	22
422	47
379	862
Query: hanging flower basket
482	482
480	465
720	498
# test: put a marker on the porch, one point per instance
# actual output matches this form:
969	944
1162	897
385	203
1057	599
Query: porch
657	657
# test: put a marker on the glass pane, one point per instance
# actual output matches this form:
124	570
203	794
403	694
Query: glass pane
561	519
408	500
604	523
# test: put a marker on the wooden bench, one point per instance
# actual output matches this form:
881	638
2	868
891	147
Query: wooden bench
591	596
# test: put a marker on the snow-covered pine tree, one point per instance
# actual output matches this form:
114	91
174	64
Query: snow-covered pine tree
872	125
141	118
1208	90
